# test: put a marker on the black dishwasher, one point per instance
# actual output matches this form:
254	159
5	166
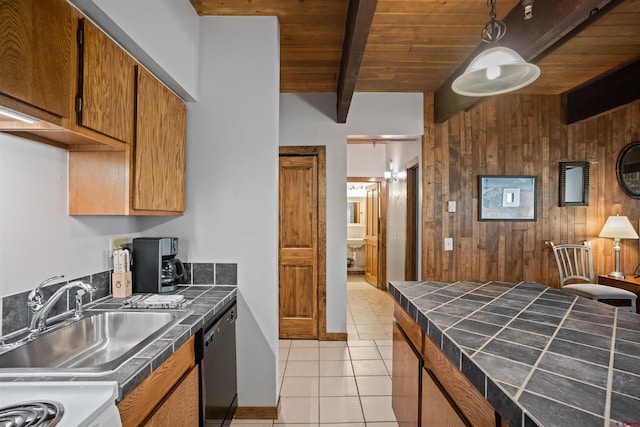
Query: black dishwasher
218	378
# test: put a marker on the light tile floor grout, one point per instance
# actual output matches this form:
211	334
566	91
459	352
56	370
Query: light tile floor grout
337	383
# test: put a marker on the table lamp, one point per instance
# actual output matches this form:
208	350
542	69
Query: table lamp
618	227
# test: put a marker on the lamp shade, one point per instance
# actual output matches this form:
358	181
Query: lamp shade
618	227
495	71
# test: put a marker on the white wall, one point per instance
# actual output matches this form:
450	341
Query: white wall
365	160
163	35
399	153
309	119
39	239
232	193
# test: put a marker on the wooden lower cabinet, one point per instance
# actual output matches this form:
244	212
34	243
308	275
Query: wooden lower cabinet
437	410
173	384
428	390
405	387
180	408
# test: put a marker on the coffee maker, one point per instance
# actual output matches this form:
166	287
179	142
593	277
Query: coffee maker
155	266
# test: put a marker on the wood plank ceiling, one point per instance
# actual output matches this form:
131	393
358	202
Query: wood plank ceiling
416	45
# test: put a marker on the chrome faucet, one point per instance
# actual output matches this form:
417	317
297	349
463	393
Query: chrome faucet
41	310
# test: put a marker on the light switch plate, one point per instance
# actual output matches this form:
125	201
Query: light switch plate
451	206
448	243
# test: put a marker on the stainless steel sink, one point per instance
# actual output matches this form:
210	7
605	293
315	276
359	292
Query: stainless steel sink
98	343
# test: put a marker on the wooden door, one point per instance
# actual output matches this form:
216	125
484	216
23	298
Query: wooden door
159	175
371	238
106	85
411	248
298	247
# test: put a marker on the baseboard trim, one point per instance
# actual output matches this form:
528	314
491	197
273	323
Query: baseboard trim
334	336
258	412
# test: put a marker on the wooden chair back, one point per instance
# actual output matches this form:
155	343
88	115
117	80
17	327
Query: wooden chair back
575	262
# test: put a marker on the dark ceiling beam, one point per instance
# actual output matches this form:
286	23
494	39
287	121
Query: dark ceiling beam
551	22
359	19
612	91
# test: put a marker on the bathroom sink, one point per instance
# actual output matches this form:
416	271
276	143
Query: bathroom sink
355	243
97	343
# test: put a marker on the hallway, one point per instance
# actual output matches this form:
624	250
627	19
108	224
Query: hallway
337	383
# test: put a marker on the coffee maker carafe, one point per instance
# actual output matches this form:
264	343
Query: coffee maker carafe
155	266
172	271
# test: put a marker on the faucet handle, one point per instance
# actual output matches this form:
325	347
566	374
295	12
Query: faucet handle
35	299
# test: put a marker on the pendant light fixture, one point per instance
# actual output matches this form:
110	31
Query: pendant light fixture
498	69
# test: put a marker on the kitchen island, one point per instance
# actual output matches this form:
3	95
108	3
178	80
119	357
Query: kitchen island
537	355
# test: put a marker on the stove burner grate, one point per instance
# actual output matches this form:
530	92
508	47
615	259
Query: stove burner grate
31	414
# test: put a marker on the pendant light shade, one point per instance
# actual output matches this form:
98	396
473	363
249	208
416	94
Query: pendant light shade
496	70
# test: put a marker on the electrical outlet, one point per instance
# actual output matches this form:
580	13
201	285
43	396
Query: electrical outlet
116	243
451	206
448	243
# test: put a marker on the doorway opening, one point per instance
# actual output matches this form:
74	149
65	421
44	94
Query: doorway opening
366	229
395	162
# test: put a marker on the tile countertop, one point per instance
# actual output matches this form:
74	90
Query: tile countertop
539	355
209	300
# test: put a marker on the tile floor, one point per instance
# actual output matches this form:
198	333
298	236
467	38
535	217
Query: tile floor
341	384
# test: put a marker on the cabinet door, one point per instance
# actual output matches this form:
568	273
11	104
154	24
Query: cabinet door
437	409
159	171
181	407
107	85
37	45
405	397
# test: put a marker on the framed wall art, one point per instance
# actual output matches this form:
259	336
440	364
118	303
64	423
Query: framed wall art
507	198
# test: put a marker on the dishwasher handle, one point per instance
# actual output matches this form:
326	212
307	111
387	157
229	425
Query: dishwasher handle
226	322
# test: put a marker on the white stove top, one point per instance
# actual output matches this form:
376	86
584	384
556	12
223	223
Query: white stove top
84	402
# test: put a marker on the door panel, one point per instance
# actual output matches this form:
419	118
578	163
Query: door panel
37	42
405	395
160	147
298	236
437	408
371	240
108	86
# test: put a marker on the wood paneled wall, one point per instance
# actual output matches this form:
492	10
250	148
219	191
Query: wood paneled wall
520	135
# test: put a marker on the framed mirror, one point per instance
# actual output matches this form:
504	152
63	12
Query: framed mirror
353	212
628	169
574	183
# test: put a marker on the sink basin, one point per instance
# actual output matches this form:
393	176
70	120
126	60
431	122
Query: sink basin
355	243
97	343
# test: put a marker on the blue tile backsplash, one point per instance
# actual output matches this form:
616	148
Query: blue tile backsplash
16	316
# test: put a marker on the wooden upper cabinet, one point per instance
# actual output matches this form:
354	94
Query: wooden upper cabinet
37	51
159	171
106	85
148	176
